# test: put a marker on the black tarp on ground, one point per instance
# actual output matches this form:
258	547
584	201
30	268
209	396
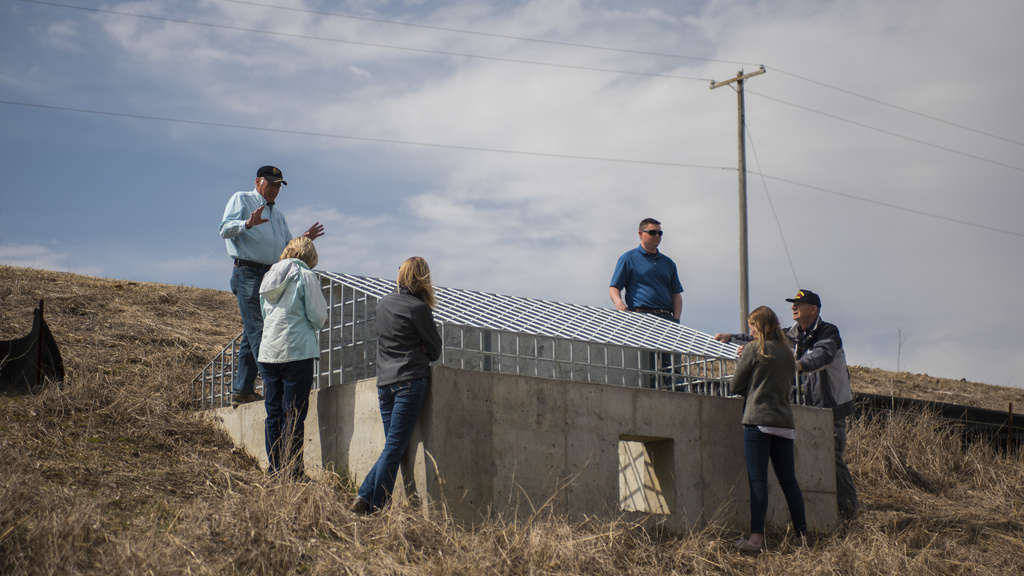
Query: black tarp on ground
27	363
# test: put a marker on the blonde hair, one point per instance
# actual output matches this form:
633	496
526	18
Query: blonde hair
303	249
767	326
414	276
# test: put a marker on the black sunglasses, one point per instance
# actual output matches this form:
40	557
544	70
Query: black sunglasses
654	232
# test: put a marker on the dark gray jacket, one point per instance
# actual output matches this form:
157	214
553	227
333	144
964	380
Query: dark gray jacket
407	339
766	383
824	376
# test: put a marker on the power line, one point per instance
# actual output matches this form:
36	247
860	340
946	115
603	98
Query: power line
427	144
555	65
625	51
771	204
503	151
890	133
901	108
894	206
490	34
368	44
369	139
551	42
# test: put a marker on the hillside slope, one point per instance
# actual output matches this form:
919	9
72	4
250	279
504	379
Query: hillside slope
110	474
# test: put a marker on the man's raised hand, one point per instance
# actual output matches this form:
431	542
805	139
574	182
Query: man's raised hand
315	231
256	218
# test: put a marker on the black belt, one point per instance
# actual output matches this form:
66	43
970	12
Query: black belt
658	311
251	264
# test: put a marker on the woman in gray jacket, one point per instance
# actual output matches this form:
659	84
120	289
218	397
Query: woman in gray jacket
407	342
764	375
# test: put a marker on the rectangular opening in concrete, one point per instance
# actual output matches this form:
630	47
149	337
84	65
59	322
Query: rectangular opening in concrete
646	475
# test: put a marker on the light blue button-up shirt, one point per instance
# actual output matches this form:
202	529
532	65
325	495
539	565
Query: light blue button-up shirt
263	243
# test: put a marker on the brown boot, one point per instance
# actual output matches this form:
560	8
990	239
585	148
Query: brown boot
359	506
239	399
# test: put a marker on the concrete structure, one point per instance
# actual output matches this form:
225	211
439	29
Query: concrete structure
491	443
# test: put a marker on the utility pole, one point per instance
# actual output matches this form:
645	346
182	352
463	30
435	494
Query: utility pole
741	133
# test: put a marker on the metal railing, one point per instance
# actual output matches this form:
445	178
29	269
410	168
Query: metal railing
212	387
349	353
470	348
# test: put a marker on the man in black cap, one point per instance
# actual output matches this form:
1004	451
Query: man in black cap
824	380
256	234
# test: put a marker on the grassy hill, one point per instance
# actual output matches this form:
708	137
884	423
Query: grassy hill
110	474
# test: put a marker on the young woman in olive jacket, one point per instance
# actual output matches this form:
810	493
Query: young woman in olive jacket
764	375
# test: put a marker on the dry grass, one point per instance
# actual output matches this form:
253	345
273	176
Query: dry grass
111	475
925	387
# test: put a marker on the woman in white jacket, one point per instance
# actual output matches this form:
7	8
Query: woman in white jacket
294	311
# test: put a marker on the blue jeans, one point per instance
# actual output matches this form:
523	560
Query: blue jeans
245	284
758	448
286	389
400	406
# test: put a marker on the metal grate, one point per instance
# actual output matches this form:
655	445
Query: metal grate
556	319
496	333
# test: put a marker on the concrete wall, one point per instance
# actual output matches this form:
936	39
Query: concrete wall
489	442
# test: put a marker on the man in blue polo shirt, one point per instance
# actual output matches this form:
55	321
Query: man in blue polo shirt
649	278
256	233
652	287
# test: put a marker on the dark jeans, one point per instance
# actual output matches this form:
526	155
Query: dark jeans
758	448
846	492
245	284
286	389
400	406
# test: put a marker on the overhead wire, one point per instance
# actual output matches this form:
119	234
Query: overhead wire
361	43
771	204
893	206
900	108
888	132
503	151
370	139
555	65
520	152
489	34
625	51
549	64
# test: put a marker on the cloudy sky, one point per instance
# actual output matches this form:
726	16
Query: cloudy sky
517	144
